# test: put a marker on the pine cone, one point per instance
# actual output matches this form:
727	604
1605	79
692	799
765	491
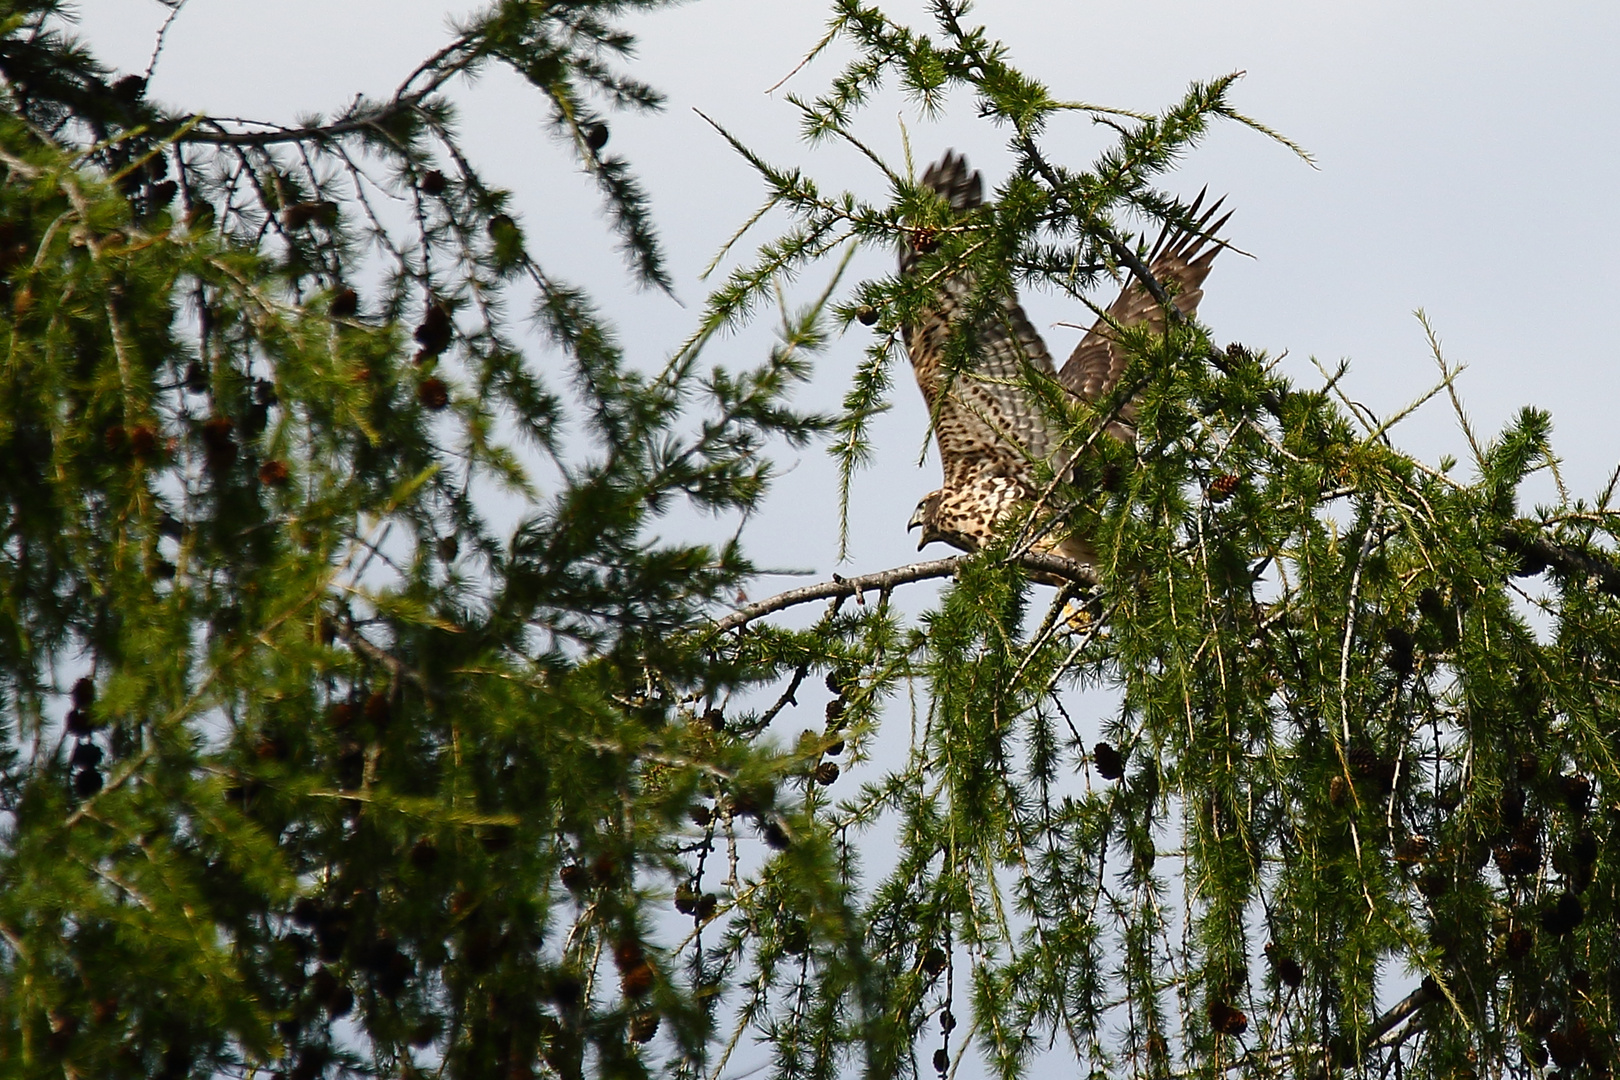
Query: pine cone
1401	646
273	473
1287	968
434	332
345	304
643	1026
637	981
1412	849
1110	763
433	394
432	183
1225	1019
1577	789
1565	914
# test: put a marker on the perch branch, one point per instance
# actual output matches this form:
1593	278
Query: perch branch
1046	566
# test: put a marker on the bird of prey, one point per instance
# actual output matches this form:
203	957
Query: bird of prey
990	430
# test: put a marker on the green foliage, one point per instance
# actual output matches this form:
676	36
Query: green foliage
1353	755
293	735
309	766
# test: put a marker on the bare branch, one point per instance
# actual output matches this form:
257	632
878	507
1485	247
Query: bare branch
1398	1012
1048	568
440	68
213	131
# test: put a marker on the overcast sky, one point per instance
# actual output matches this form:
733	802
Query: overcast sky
1467	159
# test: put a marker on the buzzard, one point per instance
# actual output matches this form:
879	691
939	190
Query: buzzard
990	430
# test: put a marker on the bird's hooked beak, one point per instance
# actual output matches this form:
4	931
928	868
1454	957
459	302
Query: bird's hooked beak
917	522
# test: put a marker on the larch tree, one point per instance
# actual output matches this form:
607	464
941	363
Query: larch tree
311	768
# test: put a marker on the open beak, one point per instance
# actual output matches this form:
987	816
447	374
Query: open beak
916	522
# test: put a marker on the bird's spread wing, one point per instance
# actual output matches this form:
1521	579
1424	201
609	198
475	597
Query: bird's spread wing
990	427
986	420
1179	261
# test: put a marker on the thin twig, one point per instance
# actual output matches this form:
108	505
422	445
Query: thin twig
163	32
1450	376
398	668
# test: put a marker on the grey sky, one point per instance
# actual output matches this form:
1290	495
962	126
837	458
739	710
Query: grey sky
1467	159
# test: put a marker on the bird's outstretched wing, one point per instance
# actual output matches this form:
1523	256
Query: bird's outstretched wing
990	428
986	419
1180	261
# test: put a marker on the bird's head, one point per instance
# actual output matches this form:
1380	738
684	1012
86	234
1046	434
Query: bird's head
926	518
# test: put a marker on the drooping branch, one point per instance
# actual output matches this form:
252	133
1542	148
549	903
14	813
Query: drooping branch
1048	568
1377	1034
1536	554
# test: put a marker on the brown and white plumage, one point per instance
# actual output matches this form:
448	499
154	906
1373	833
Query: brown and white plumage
990	430
1180	261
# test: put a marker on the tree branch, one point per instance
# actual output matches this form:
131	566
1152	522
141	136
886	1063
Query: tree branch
1122	251
213	131
1398	1012
442	66
1050	569
1535	554
397	668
